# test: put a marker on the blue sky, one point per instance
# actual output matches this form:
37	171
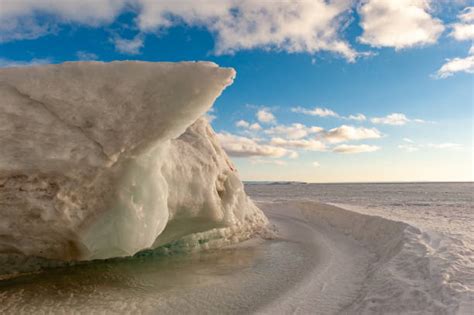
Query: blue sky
303	68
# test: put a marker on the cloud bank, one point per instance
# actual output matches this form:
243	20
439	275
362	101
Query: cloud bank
285	25
308	26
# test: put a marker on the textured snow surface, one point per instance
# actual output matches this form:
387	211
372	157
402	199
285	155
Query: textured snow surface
420	233
102	160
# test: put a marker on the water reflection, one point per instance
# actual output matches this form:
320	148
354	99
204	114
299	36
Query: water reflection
128	281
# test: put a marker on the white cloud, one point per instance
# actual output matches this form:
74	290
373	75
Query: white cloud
398	23
238	146
264	161
246	125
210	117
265	116
242	124
408	140
128	46
464	29
360	148
307	26
284	25
395	119
306	144
292	26
456	65
255	127
317	111
8	63
347	133
293	155
19	18
326	112
421	121
293	131
447	145
409	147
316	164
358	117
86	56
412	147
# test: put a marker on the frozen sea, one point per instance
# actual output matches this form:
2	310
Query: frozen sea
401	248
444	207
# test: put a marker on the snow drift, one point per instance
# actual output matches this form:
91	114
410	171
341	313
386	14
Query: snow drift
102	160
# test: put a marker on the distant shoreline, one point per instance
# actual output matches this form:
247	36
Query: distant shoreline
347	183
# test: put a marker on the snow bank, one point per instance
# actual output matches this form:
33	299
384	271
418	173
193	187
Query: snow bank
102	160
414	271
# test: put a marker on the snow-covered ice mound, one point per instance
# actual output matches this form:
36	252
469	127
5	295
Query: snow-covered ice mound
101	160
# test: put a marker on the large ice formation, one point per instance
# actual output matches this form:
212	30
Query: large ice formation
101	160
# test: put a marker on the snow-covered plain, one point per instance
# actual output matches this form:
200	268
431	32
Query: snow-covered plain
102	160
420	236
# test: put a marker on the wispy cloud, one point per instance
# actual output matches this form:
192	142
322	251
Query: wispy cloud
242	124
8	63
398	24
326	112
411	146
357	117
347	133
317	111
265	116
293	131
267	161
246	125
316	164
210	115
128	46
396	119
86	56
307	144
446	145
464	28
455	65
355	148
239	146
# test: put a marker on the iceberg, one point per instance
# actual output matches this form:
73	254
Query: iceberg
101	160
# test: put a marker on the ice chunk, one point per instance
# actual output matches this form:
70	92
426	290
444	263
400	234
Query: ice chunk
95	161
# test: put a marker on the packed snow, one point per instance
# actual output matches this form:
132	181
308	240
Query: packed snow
102	160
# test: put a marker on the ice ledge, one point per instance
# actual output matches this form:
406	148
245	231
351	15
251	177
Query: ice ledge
96	163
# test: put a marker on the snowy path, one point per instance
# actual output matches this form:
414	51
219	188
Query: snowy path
308	270
334	272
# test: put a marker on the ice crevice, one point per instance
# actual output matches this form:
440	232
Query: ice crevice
102	160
